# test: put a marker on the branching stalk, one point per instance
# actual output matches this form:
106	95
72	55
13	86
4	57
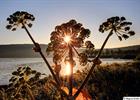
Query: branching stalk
30	93
93	66
71	72
47	63
18	90
75	50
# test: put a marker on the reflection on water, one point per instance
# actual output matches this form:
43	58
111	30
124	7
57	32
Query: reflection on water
8	65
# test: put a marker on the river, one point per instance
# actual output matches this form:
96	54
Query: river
8	65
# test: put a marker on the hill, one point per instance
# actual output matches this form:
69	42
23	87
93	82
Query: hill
25	51
19	51
129	52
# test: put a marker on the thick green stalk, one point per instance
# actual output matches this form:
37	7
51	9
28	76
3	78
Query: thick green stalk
93	66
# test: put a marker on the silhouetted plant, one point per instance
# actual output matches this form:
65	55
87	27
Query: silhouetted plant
72	30
89	50
64	41
3	94
23	81
117	25
19	18
23	19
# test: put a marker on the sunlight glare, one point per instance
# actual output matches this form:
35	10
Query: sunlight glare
68	69
67	39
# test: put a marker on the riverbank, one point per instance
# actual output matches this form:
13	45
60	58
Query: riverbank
110	81
8	65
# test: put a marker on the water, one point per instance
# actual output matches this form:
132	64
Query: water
8	65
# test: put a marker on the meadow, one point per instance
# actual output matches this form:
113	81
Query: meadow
107	82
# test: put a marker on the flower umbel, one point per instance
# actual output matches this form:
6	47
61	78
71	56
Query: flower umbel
119	26
18	19
67	34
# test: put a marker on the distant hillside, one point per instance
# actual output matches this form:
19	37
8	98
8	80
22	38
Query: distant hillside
19	51
25	51
134	47
129	52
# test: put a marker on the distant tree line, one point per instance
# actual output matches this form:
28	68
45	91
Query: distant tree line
117	53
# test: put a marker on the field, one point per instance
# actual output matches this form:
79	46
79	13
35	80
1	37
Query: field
107	82
114	81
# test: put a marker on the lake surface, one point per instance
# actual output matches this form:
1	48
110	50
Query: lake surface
8	65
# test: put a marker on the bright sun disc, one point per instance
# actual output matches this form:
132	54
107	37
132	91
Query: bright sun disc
67	39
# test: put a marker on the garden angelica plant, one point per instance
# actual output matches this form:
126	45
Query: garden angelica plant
64	42
115	25
24	82
23	19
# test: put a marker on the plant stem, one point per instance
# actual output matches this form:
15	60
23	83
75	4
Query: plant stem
42	55
75	50
93	66
18	90
47	63
110	34
71	70
30	93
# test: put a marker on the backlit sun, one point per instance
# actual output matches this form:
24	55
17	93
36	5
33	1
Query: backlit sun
67	39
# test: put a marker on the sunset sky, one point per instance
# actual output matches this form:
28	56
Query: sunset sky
49	13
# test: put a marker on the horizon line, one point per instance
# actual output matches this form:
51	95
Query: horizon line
83	47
